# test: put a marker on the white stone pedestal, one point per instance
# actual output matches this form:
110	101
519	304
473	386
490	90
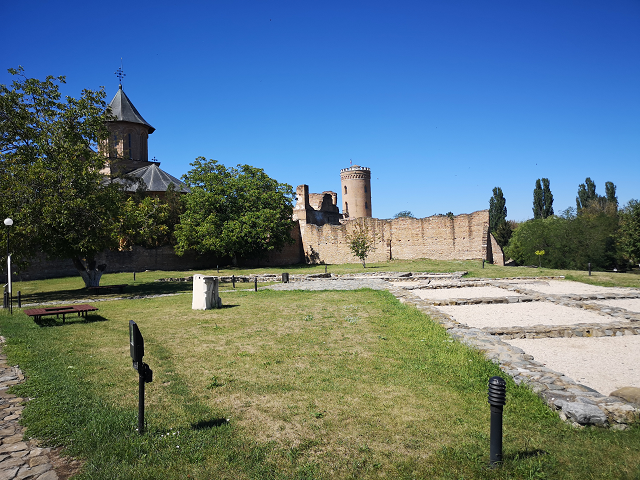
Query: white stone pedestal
205	292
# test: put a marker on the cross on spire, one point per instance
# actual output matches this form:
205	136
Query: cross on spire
120	74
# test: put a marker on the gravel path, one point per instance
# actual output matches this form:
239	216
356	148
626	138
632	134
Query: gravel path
521	314
464	292
631	304
617	359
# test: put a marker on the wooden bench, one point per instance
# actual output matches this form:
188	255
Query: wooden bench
104	288
81	310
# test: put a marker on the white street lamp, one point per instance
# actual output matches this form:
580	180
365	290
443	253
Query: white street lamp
9	222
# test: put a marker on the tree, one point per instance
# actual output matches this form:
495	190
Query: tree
538	202
504	232
547	199
497	209
234	211
49	173
361	242
610	194
586	194
144	223
542	199
628	240
404	214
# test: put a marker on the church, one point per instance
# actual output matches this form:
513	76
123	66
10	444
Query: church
127	151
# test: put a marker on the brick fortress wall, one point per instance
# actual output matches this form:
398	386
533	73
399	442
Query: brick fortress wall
441	238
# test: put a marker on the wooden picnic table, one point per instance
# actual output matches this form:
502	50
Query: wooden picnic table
81	310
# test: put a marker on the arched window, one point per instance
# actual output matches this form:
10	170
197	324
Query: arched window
345	189
346	207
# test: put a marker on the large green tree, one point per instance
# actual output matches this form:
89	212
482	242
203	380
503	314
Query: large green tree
542	199
628	239
234	212
49	173
497	210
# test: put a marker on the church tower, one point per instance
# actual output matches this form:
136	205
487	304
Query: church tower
127	146
356	191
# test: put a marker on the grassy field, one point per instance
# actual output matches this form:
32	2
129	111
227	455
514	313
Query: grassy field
288	385
70	288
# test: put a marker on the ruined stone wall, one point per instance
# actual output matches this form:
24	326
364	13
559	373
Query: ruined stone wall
496	252
441	237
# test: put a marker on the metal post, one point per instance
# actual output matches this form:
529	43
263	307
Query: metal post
218	268
233	280
141	398
497	399
589	268
19	299
483	263
134	276
256	284
325	269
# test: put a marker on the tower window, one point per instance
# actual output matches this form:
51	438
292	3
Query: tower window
115	145
345	189
346	207
366	206
365	189
129	145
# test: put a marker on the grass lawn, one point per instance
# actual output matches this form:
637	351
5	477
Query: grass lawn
314	384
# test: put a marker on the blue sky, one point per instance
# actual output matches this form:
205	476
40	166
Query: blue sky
443	100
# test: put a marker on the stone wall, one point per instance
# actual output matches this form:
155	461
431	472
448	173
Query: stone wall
440	237
138	259
496	252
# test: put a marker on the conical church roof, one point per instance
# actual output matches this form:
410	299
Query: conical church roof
124	111
155	179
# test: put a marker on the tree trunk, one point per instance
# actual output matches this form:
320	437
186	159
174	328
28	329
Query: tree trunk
91	273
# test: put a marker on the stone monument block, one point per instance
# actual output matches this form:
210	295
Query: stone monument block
205	292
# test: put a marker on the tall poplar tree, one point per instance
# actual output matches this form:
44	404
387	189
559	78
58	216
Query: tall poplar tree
497	210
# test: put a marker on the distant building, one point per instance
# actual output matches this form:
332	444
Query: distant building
356	192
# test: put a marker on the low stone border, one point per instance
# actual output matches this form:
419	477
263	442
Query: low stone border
575	403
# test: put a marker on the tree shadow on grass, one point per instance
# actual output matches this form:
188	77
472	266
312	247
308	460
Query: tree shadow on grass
206	424
69	320
152	288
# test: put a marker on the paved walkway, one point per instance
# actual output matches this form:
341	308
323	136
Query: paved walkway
19	459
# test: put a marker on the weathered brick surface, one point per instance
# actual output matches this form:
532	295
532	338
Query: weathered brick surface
440	237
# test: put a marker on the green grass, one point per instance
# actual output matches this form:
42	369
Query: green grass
72	288
315	384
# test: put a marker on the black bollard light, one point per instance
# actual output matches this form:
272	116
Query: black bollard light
19	299
483	263
589	268
134	276
256	284
233	280
497	399
325	269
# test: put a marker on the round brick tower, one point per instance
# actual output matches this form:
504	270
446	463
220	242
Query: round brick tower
356	191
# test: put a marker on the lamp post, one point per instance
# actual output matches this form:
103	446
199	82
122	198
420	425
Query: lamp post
8	223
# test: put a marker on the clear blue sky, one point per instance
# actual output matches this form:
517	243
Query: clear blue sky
443	100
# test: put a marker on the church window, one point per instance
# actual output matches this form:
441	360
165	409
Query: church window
345	189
